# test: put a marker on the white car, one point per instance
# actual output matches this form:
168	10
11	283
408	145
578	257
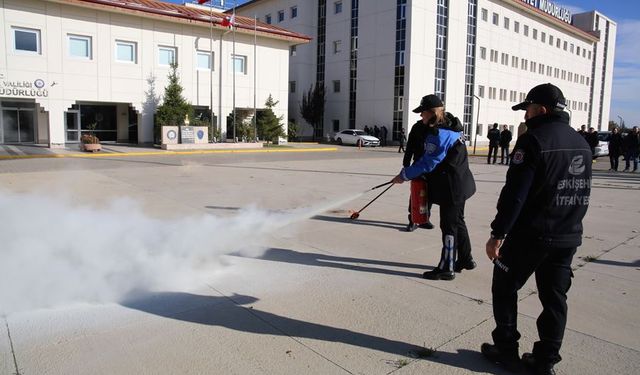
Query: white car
602	149
353	136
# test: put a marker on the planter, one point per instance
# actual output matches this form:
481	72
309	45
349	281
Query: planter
91	147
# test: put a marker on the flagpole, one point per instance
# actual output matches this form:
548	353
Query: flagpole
255	63
211	66
233	28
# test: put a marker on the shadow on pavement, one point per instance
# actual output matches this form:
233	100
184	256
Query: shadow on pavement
230	313
346	263
374	223
635	263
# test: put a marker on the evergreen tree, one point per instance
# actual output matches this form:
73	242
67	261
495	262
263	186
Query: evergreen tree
270	127
174	107
312	108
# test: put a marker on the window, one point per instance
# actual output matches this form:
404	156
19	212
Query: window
337	7
204	60
514	61
492	92
533	66
584	54
483	53
481	91
578	51
239	64
280	16
543	37
589	55
166	56
79	46
513	95
556	72
337	46
506	23
558	43
336	86
494	55
549	70
267	19
516	26
535	34
550	40
292	86
526	30
126	51
294	12
541	68
496	19
26	40
571	48
524	64
503	94
504	59
564	45
336	125
485	14
292	51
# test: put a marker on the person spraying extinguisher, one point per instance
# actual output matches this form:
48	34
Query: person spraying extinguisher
445	165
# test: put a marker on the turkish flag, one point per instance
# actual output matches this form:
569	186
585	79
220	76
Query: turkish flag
202	1
228	21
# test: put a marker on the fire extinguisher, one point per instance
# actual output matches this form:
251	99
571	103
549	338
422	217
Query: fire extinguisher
419	209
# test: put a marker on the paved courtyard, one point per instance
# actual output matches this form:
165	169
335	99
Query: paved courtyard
251	265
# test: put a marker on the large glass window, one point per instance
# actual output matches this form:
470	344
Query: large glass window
166	55
280	16
204	60
126	51
267	18
26	40
80	46
239	64
294	12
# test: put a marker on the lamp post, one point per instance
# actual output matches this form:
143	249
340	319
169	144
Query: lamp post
621	122
475	138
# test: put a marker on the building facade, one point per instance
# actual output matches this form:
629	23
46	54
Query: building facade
376	59
75	66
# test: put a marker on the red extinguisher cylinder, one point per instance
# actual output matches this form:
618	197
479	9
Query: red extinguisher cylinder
419	200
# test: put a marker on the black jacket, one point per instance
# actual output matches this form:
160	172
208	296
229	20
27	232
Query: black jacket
631	142
415	144
548	185
505	138
592	139
615	144
494	137
451	182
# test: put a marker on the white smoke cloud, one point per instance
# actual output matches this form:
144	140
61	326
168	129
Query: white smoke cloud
53	253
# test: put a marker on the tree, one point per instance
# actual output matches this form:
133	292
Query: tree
174	107
270	127
292	132
244	128
312	108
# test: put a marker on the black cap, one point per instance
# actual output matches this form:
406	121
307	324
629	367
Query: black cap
428	102
545	94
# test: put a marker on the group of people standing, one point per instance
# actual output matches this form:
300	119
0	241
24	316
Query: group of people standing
538	225
500	139
378	132
627	146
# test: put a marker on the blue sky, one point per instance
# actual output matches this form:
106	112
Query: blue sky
625	100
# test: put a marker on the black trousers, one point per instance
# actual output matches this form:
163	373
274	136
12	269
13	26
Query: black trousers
493	150
504	154
455	237
614	160
552	268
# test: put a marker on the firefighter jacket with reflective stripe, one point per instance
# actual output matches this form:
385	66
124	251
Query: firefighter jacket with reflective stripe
548	185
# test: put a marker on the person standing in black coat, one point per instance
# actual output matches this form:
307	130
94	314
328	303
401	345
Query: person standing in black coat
505	140
414	151
632	148
494	142
403	140
615	148
592	140
538	228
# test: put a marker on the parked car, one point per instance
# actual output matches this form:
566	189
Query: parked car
353	136
602	149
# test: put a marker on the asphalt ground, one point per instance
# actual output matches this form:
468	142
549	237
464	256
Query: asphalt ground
316	292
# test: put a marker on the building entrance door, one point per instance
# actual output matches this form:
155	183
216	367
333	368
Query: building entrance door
72	126
17	123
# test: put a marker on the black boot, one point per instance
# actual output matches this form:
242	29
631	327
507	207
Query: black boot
507	359
411	227
464	265
539	368
438	274
426	225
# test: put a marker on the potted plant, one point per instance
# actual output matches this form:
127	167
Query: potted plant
89	142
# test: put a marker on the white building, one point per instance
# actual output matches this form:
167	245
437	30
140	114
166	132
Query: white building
376	59
68	64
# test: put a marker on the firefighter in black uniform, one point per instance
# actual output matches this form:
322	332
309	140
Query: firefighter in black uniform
538	228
